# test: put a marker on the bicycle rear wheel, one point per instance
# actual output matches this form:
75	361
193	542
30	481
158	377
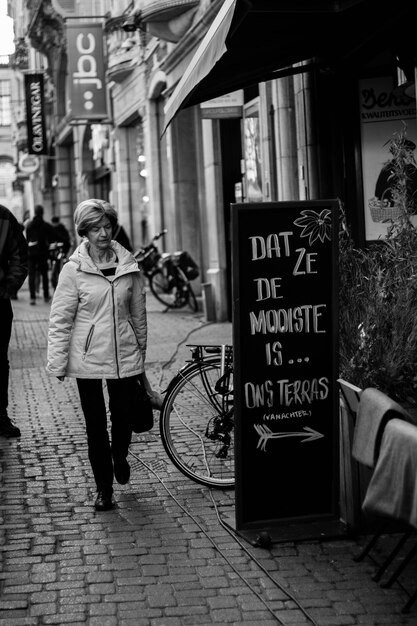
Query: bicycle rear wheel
197	427
172	296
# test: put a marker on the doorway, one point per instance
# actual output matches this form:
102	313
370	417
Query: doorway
231	151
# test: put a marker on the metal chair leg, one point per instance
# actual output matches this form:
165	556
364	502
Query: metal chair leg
370	544
400	568
377	576
407	606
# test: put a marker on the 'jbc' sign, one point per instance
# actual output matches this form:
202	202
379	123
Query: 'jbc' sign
86	71
285	343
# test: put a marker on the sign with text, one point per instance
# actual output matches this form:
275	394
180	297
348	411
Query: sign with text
87	85
35	114
228	105
285	345
385	112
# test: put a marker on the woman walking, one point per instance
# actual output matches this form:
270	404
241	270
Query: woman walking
98	330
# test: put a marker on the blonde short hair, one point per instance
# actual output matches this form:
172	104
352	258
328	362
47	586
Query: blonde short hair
89	212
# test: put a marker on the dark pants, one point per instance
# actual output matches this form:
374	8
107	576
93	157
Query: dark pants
100	451
6	317
38	263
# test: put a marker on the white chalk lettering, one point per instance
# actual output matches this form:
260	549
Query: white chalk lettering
267	288
309	260
300	319
259	395
273	353
302	391
270	247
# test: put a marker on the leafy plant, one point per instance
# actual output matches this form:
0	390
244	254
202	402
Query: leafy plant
378	299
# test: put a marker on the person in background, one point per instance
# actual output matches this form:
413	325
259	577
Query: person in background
403	161
98	331
25	220
121	236
61	234
13	271
39	235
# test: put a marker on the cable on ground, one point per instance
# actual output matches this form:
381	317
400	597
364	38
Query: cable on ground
206	534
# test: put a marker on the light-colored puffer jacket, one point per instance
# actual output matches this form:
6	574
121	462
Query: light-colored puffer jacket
97	324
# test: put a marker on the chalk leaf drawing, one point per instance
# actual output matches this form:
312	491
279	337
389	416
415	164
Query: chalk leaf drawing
316	226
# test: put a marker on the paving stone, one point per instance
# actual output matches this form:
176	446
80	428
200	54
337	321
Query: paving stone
147	562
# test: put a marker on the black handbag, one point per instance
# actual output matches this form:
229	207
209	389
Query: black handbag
142	415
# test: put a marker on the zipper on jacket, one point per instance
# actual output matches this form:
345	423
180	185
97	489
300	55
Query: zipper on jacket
114	330
88	340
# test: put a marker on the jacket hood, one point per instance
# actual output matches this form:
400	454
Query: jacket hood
85	263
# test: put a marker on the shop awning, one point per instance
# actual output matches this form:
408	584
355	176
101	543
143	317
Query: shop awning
208	53
250	41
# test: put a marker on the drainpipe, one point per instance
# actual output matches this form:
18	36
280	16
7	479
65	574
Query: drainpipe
160	185
129	181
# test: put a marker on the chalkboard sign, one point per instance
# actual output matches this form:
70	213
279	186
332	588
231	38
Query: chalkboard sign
285	349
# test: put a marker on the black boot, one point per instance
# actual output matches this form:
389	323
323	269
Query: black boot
7	428
104	500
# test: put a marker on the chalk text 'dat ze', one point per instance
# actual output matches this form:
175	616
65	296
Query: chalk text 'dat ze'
300	319
297	392
277	245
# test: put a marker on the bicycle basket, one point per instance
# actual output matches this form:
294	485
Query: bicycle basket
187	264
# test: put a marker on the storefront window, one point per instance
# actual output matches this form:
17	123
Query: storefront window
252	152
5	115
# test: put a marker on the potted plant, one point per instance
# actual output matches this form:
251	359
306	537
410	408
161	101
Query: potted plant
378	297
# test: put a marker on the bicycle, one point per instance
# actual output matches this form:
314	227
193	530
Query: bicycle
168	274
197	419
57	258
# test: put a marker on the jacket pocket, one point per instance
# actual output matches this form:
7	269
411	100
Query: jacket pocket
88	341
133	331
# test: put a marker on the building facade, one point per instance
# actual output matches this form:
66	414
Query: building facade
298	135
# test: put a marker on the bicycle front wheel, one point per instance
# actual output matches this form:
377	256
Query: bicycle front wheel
197	427
170	295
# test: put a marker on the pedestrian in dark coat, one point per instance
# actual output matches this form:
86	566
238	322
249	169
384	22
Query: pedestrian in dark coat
13	271
121	236
39	235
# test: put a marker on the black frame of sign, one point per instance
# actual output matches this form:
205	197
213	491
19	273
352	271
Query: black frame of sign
285	338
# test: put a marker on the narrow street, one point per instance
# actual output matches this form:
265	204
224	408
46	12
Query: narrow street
162	557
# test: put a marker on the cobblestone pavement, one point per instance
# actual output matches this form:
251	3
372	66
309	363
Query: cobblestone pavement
162	557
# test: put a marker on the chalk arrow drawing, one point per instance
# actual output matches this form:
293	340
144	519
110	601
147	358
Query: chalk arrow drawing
266	433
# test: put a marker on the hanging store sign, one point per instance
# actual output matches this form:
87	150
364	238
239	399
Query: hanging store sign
35	114
86	71
28	163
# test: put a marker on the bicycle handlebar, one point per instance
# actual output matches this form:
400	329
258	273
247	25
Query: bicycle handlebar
151	244
159	235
